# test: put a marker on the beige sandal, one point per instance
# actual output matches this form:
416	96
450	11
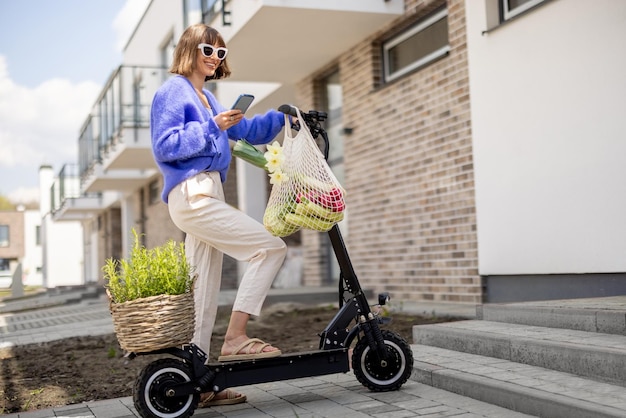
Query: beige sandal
239	354
232	398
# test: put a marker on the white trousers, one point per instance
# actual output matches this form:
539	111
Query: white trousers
214	228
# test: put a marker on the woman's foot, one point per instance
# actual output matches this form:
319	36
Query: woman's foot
225	397
244	348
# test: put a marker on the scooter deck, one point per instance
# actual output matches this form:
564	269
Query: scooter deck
286	366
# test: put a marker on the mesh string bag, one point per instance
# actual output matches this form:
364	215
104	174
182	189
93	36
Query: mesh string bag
305	192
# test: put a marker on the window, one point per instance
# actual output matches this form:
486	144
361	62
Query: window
167	52
332	96
154	192
416	47
512	8
4	235
331	101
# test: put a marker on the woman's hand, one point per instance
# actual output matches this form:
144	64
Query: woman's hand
228	118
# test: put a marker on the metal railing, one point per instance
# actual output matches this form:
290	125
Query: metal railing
211	8
66	186
124	103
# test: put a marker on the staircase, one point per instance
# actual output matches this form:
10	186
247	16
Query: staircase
556	359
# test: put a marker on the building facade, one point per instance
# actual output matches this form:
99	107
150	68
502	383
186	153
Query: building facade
20	248
478	151
548	134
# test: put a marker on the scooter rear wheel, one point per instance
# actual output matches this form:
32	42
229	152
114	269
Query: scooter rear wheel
149	393
383	376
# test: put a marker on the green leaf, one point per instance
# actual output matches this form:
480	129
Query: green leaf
163	270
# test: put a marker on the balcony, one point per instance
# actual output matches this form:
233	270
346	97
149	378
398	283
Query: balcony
114	144
67	203
277	41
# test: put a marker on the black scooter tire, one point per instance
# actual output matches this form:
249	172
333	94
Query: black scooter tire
380	377
149	390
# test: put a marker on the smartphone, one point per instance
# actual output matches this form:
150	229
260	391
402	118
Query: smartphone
243	102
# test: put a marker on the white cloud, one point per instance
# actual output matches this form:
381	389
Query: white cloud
126	20
41	125
24	195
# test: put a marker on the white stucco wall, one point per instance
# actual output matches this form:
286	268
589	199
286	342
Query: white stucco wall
548	102
33	255
161	19
64	254
62	242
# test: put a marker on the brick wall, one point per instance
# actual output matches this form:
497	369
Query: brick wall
158	224
409	170
108	224
15	222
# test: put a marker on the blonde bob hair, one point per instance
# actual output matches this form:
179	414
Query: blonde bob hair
186	51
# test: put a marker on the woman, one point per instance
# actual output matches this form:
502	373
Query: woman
190	132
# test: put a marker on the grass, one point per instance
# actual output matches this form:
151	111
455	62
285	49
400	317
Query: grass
28	290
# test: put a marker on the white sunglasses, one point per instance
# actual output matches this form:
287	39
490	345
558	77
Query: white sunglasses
209	50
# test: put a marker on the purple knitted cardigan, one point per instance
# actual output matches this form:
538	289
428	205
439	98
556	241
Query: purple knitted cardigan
186	140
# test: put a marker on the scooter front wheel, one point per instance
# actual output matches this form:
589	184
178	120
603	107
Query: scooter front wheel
383	375
150	390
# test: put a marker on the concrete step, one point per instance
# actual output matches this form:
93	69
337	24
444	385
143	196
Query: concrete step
519	387
605	315
589	354
51	298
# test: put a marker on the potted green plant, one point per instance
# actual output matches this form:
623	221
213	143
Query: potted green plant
151	297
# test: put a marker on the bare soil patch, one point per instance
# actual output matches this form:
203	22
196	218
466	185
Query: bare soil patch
75	370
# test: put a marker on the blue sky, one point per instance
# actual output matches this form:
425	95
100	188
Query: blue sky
55	56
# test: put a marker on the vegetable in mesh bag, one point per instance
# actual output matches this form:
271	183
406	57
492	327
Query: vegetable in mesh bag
249	153
305	193
274	220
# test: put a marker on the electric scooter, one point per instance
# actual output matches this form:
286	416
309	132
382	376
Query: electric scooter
381	360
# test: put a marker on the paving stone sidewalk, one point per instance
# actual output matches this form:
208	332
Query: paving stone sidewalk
332	396
88	317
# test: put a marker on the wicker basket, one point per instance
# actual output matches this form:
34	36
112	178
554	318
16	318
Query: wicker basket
155	322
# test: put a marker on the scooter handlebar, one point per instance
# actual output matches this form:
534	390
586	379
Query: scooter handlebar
288	110
312	120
